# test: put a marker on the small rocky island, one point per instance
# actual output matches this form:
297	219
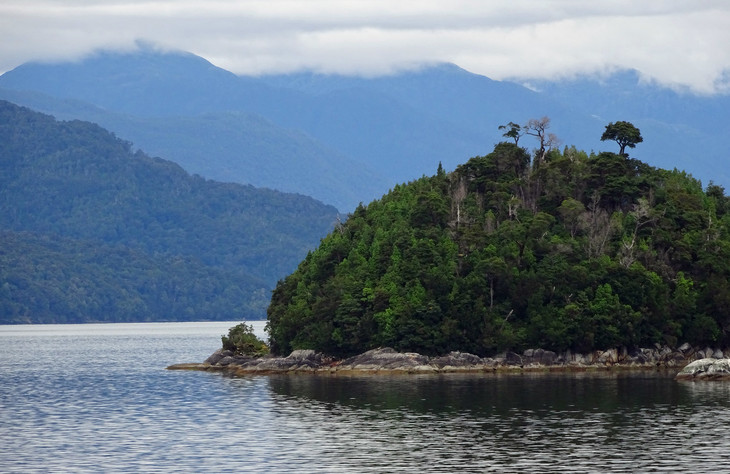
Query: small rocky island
706	369
699	364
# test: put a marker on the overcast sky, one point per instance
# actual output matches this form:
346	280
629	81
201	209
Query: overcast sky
681	43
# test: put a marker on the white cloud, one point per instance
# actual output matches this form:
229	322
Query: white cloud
678	43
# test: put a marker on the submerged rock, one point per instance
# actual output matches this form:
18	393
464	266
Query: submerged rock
706	369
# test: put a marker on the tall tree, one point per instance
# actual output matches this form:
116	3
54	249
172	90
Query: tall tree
623	133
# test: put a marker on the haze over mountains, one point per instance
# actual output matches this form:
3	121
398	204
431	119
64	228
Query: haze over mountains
345	140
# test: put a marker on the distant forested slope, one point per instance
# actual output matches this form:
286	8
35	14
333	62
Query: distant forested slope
512	251
79	183
50	279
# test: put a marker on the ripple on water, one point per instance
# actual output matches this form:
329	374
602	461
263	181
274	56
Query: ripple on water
101	401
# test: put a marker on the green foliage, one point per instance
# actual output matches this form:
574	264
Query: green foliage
583	253
73	196
623	133
242	341
49	279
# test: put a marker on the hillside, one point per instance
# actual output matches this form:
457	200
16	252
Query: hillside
508	251
75	183
346	140
230	146
45	278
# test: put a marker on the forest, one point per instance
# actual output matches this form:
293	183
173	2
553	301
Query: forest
91	230
555	249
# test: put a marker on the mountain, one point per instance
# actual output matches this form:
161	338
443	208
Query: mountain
82	189
358	137
577	252
230	147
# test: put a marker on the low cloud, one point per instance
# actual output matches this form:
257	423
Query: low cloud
679	44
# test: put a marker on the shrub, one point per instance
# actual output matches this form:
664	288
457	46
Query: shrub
242	341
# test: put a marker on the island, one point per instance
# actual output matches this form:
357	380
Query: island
550	259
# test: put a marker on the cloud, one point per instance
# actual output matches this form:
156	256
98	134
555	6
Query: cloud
677	43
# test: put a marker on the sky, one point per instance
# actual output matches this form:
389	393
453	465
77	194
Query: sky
682	44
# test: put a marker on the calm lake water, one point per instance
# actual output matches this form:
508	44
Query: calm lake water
91	398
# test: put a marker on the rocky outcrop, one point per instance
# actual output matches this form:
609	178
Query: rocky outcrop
706	369
388	360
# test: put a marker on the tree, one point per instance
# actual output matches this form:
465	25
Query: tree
242	340
538	128
623	133
515	132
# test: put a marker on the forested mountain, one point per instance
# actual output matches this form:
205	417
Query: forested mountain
346	140
564	250
230	146
79	208
45	278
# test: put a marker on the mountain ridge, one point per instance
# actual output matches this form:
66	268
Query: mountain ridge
399	126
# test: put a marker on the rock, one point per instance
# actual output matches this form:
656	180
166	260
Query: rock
706	369
608	357
217	356
458	360
386	358
303	354
539	357
510	358
548	358
188	366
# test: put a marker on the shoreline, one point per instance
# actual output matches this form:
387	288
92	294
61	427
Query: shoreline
385	361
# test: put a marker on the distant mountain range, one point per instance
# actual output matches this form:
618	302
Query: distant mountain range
345	140
92	231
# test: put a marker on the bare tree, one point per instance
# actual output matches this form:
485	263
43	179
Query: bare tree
458	194
643	215
599	227
539	128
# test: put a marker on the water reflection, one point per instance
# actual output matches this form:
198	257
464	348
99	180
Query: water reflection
637	421
485	394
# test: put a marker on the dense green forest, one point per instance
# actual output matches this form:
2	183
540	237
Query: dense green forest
52	279
94	231
557	249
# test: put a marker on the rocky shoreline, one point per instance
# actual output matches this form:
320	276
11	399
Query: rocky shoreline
716	363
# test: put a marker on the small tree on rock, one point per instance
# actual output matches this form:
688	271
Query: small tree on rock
242	341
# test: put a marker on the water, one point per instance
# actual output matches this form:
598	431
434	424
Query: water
91	398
